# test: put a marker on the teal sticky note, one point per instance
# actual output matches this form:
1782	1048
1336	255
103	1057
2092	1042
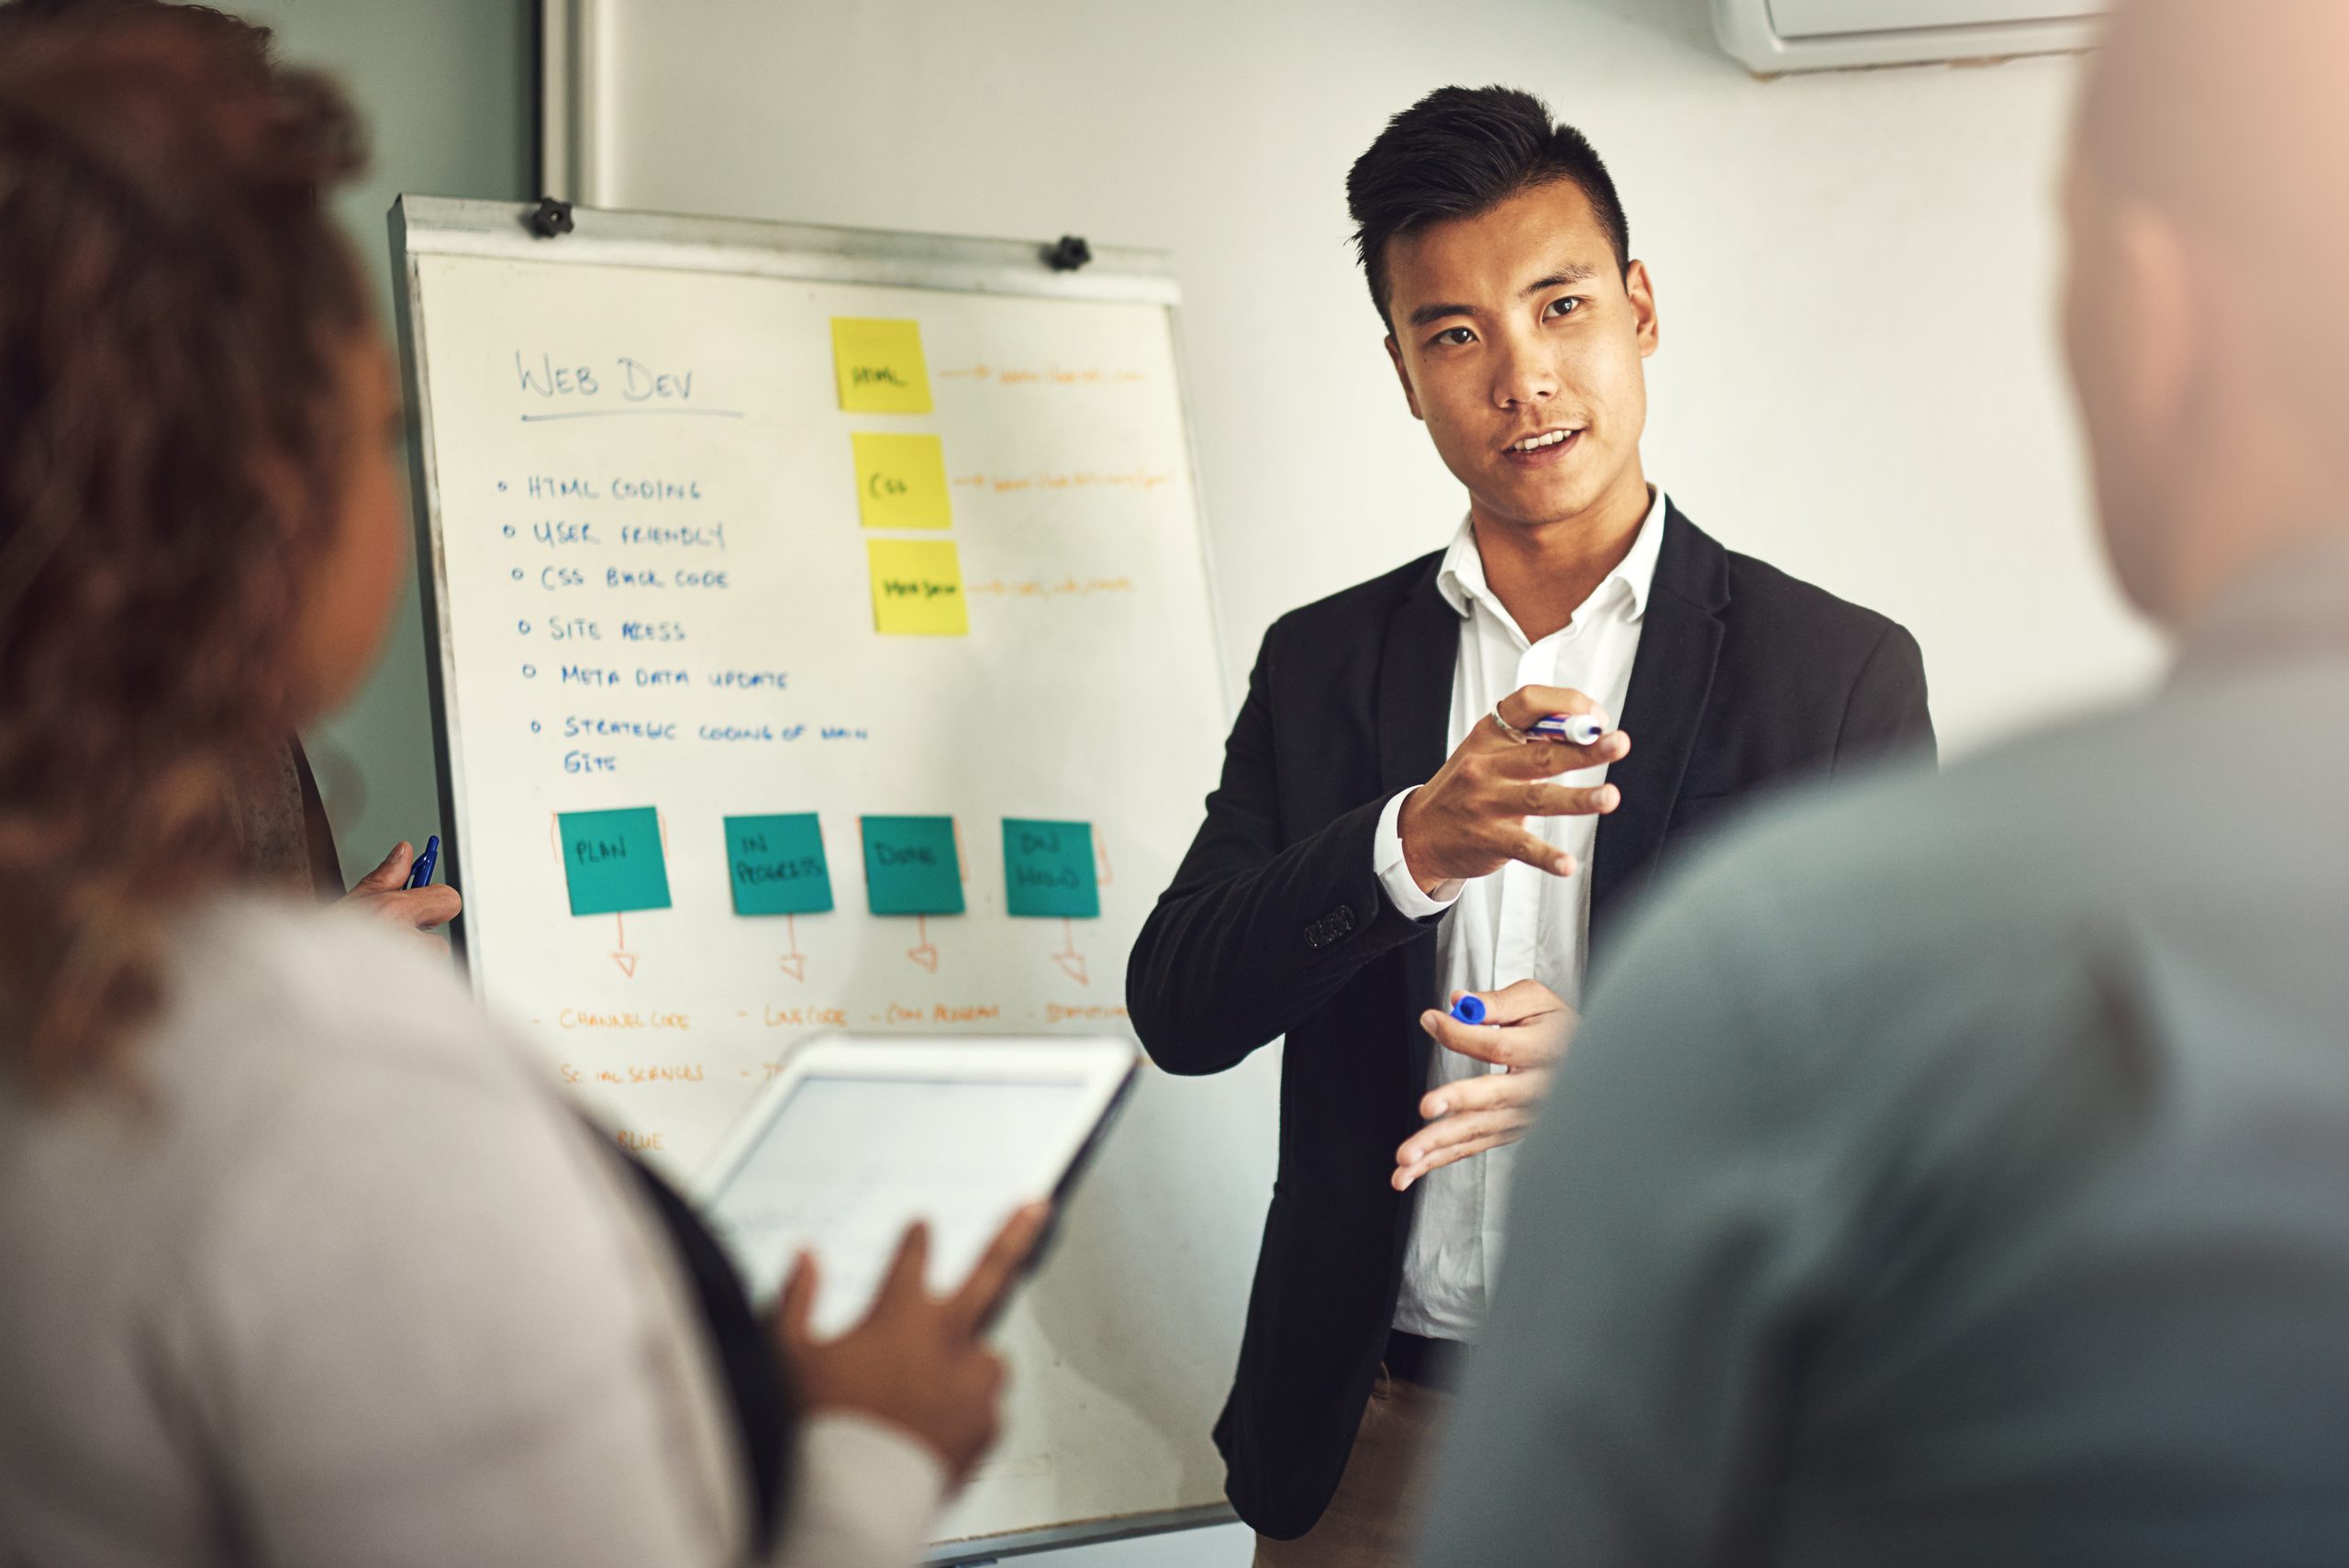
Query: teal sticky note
910	866
777	866
613	861
1048	868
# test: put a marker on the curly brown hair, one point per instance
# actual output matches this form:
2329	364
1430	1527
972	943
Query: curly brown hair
175	311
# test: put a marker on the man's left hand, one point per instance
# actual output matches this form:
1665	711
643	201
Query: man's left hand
1526	1029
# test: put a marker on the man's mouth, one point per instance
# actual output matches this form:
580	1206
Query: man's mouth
1542	444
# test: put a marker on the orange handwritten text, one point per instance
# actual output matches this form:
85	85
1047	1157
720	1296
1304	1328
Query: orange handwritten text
640	1143
1056	1013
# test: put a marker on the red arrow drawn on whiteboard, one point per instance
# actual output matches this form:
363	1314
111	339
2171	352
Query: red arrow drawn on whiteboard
923	952
625	959
794	962
1071	962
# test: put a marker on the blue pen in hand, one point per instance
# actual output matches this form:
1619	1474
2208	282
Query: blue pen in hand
420	874
1469	1009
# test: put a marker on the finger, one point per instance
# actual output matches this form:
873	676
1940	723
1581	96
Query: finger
793	1313
1523	1046
908	1271
1557	800
1528	705
425	908
1547	759
992	1276
1446	1132
1530	849
1520	1000
391	875
1485	1092
1405	1175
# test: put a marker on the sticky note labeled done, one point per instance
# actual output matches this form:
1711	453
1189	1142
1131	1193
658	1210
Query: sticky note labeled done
918	588
901	481
910	866
879	366
1048	868
612	860
777	866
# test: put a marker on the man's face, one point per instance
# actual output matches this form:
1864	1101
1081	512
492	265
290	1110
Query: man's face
1516	326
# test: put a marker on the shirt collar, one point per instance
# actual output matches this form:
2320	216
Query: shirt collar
1461	576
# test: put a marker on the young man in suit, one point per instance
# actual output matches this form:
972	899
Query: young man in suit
1352	877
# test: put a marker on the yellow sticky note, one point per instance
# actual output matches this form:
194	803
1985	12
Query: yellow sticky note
879	365
918	588
901	482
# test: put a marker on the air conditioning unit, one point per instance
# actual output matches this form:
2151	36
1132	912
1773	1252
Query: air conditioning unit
1774	36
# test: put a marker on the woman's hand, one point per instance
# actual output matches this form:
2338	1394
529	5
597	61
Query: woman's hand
917	1362
384	894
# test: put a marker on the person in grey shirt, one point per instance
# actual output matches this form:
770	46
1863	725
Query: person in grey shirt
1956	1171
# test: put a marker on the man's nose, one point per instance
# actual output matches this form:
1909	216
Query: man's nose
1522	378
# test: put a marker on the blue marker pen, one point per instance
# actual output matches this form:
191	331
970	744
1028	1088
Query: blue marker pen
420	874
1469	1009
1579	728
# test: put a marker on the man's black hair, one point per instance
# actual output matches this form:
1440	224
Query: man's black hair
1463	151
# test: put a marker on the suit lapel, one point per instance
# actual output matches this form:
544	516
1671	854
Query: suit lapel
1680	642
1415	674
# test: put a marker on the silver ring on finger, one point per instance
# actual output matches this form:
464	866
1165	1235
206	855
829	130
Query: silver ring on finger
1508	730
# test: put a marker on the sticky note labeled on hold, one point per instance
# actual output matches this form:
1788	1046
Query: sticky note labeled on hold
612	860
916	588
910	866
878	363
1048	868
901	482
777	864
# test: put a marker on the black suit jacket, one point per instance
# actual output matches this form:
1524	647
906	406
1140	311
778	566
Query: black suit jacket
1277	925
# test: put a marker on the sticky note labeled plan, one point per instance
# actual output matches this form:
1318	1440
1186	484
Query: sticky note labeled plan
901	482
777	866
612	860
1048	868
916	588
910	866
879	365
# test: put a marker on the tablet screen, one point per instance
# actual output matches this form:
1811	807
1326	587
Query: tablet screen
848	1158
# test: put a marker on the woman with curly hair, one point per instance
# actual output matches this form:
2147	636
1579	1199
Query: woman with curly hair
299	1259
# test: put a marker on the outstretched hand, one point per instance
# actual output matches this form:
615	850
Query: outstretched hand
1469	821
1527	1029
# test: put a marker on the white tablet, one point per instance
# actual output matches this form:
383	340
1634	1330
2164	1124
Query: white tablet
856	1139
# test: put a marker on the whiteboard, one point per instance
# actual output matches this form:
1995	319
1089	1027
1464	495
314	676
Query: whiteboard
655	585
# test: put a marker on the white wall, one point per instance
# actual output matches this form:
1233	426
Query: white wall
1858	378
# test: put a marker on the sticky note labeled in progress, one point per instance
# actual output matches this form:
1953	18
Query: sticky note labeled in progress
1048	868
612	860
878	363
910	867
901	481
777	866
918	588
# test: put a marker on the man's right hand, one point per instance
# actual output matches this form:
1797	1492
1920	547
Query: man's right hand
917	1361
1469	821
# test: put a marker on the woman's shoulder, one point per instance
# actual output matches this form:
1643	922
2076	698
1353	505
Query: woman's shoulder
275	991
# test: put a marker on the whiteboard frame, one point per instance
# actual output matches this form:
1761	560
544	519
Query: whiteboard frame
440	226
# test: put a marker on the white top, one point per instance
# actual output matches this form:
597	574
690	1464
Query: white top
1518	923
347	1284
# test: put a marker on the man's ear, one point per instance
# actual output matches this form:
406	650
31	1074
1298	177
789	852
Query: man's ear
1395	353
2160	330
1639	289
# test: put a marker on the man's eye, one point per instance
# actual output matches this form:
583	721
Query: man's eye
1455	336
1565	306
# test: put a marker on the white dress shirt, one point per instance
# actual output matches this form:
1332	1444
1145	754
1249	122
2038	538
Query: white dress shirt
1518	923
